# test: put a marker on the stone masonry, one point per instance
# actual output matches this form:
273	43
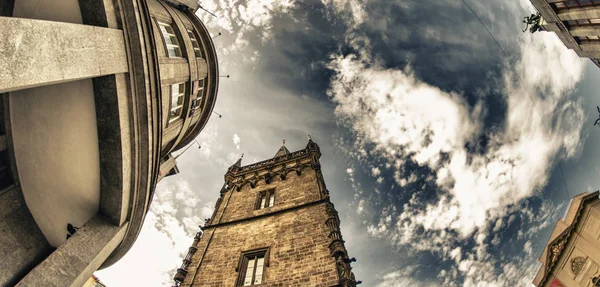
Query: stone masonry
300	231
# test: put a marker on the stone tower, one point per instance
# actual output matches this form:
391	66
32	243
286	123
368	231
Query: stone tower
273	225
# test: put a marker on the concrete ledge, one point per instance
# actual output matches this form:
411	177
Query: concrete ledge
579	14
590	47
36	53
584	31
74	262
22	244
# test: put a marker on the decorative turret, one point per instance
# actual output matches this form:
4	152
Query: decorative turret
282	150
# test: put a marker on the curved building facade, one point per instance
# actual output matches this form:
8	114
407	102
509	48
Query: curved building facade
96	96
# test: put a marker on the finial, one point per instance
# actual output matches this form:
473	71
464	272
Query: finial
309	138
283	142
242	156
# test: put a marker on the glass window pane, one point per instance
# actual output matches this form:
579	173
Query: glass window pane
262	201
271	200
571	3
595	21
249	273
259	270
170	39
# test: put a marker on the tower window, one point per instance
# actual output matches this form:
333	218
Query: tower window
252	267
266	199
177	97
195	44
170	40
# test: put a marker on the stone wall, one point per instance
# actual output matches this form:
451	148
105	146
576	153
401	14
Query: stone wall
294	190
299	254
294	229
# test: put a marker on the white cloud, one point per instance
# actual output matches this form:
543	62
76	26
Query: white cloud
166	235
406	119
236	141
375	172
238	19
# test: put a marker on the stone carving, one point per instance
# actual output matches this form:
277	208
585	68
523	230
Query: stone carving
534	21
343	268
556	249
577	264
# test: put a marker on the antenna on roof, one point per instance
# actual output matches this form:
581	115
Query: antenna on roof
224	76
217	35
218	114
211	13
188	147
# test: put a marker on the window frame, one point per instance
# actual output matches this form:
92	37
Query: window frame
177	46
180	95
587	39
269	199
199	93
583	22
197	48
245	258
574	4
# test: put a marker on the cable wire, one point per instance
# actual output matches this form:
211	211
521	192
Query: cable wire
562	173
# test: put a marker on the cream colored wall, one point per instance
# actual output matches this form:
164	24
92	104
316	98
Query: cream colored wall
56	149
60	11
584	243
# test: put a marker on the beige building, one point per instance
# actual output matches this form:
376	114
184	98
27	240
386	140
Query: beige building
273	225
572	256
95	97
93	282
575	22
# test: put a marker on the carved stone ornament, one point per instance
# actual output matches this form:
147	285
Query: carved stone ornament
577	264
556	249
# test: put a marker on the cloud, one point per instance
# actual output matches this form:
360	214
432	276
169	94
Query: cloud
166	235
236	141
398	117
241	21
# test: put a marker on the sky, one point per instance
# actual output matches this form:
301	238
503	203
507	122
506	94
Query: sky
448	162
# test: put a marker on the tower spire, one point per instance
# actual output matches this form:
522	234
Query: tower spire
238	163
282	150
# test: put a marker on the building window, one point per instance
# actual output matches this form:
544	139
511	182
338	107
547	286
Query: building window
170	40
563	5
587	39
583	22
195	44
177	97
252	267
198	92
266	199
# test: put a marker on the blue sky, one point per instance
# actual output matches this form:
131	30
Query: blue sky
440	157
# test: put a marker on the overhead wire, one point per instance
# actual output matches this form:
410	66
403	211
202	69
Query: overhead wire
524	86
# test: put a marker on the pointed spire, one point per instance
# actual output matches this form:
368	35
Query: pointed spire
311	144
238	163
282	150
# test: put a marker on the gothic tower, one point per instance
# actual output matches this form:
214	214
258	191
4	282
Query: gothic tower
273	225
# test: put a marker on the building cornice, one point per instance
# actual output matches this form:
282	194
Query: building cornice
555	248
